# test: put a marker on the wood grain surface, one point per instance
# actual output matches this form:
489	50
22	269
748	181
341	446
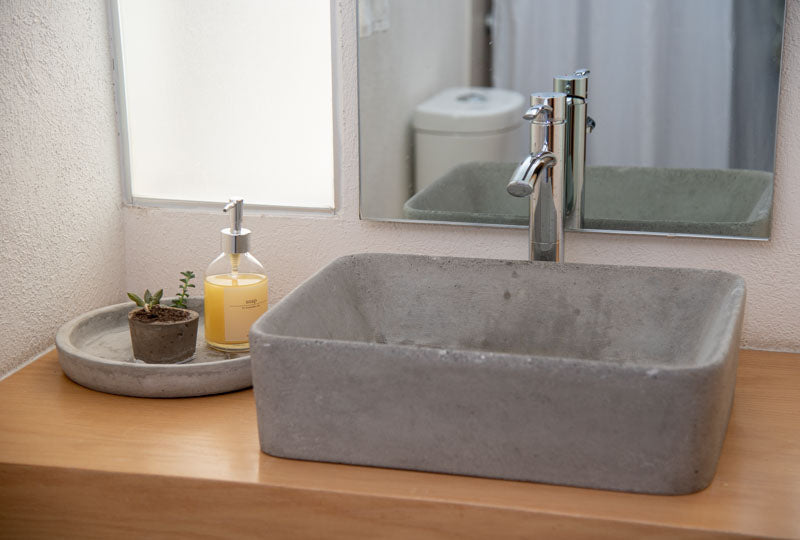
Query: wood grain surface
79	463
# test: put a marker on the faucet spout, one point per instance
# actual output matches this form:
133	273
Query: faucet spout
527	173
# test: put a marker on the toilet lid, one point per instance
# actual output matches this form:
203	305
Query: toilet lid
470	110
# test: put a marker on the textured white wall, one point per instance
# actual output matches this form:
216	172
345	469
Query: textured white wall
60	202
294	247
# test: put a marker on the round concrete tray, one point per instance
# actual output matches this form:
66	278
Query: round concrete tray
94	350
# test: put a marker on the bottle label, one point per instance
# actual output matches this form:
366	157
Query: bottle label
243	305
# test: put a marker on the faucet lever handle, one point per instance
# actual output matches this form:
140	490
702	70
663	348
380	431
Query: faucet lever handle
532	113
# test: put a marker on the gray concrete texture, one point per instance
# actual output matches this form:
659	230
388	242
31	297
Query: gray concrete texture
606	377
716	202
157	342
95	351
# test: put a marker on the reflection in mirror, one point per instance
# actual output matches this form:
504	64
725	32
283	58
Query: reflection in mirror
683	93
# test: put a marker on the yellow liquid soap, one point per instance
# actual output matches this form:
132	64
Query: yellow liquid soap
233	302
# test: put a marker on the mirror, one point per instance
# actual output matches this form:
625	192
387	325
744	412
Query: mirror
684	95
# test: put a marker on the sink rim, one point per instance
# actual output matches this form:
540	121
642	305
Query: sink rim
737	300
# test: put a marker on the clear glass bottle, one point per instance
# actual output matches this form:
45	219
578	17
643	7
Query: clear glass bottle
235	287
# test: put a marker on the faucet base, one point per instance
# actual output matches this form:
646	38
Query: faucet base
541	251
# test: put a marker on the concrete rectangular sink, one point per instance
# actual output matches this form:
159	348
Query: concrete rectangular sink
605	377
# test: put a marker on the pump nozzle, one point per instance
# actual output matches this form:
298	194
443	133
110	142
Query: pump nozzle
235	239
236	217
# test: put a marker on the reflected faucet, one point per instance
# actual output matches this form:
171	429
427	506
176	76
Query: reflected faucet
553	173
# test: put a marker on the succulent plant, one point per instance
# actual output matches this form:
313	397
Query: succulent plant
149	301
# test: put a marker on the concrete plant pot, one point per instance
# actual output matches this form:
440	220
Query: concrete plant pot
163	340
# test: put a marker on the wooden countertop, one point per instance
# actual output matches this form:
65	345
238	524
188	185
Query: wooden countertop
74	462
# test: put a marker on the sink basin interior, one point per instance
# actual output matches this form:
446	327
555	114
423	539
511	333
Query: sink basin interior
572	311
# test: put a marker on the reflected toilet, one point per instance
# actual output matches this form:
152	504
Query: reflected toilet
464	124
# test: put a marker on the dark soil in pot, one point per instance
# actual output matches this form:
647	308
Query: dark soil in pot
164	335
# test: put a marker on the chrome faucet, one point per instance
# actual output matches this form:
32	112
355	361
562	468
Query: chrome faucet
552	174
541	176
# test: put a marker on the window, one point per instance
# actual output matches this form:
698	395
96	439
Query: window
226	98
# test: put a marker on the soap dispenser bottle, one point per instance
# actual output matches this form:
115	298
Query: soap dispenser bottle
235	287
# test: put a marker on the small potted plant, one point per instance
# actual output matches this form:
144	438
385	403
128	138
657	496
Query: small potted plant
163	334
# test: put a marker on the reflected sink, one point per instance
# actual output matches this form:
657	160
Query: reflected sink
605	377
725	202
471	193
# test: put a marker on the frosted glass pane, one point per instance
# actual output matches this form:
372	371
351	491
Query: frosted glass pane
229	98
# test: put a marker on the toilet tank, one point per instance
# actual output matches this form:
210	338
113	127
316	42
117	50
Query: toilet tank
464	124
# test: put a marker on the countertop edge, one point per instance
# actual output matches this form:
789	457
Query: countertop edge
38	501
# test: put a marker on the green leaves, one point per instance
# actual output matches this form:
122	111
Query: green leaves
183	293
149	301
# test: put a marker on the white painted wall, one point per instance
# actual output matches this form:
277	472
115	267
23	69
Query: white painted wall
60	200
57	149
294	247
